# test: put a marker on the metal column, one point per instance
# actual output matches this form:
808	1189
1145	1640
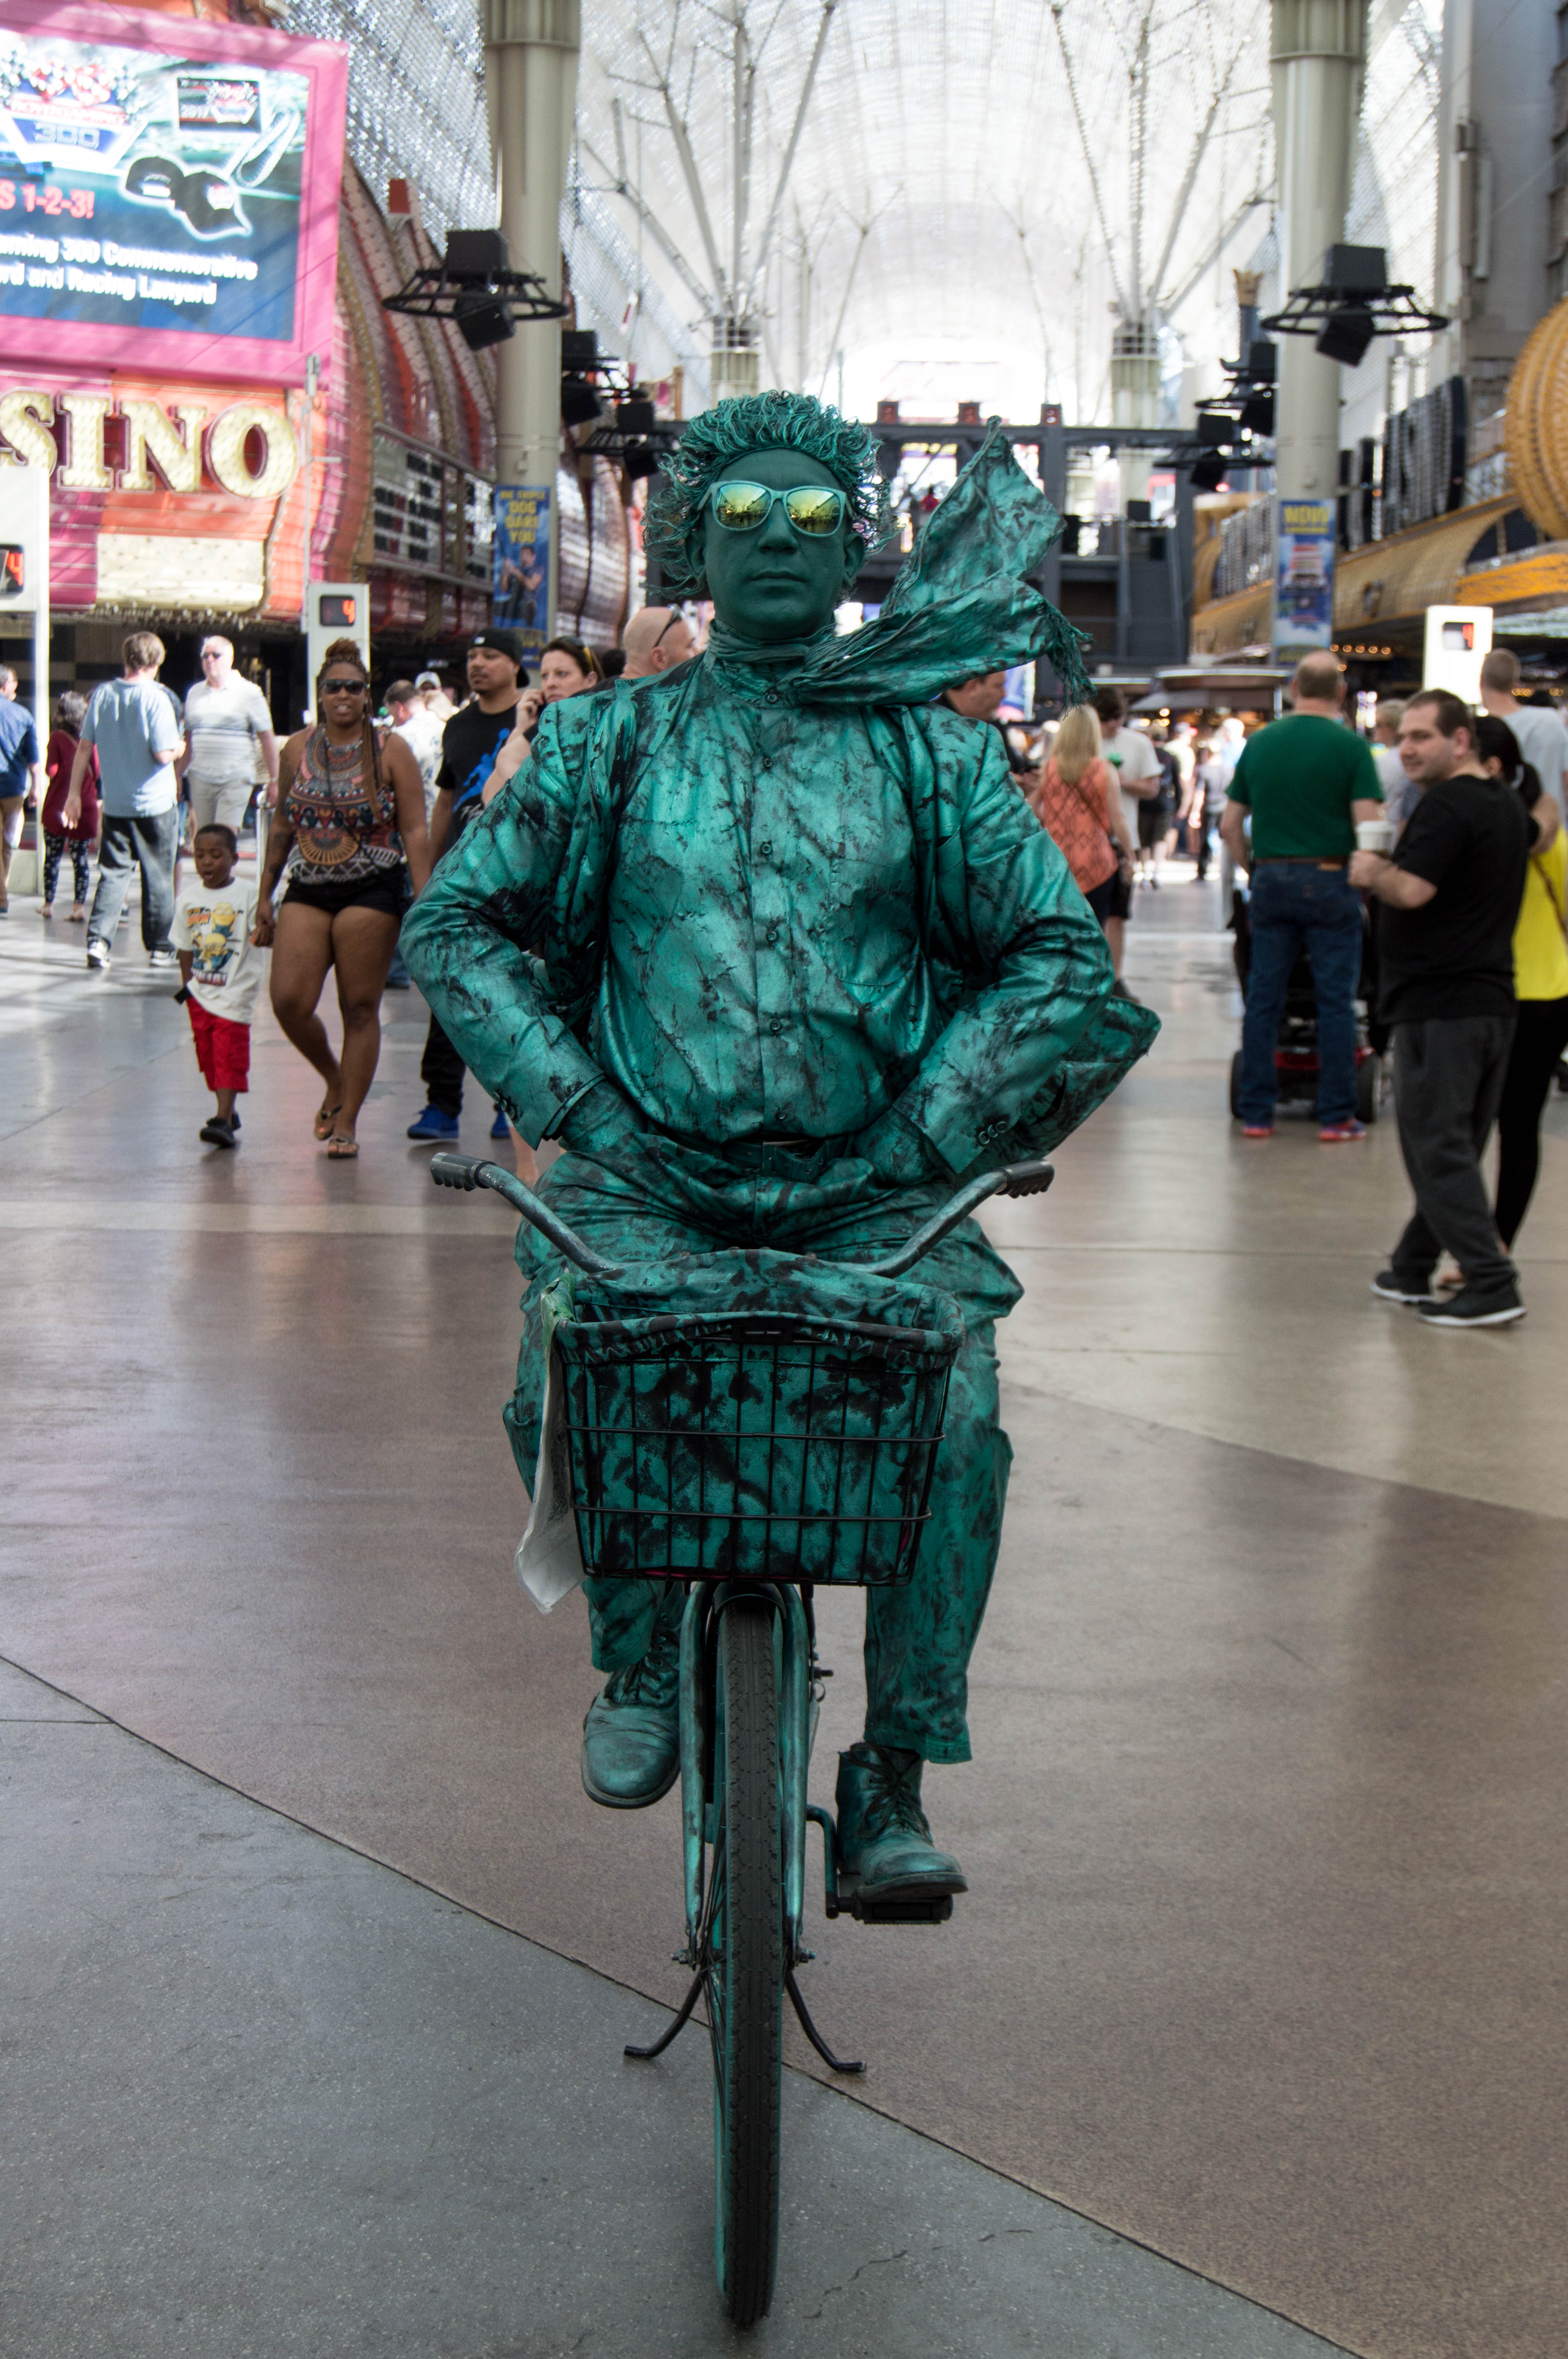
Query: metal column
1318	53
531	60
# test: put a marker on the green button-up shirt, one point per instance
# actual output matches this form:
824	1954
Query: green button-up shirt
763	921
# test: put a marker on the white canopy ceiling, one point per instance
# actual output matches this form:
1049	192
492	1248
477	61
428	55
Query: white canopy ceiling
979	188
965	208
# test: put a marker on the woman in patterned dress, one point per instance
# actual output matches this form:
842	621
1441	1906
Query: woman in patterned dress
351	813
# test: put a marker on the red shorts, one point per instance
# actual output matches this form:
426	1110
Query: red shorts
222	1048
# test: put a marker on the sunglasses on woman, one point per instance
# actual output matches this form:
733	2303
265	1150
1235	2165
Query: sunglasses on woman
814	510
343	687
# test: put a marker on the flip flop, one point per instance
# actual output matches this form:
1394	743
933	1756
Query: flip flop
322	1126
341	1150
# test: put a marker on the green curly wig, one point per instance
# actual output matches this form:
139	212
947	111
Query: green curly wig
758	421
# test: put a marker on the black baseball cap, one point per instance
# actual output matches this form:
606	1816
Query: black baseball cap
505	642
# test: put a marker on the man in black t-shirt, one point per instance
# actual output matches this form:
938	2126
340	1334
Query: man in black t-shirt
470	743
1451	896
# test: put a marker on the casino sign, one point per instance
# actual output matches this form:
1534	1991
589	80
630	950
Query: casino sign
184	498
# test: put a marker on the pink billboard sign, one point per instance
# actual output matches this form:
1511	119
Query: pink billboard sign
168	191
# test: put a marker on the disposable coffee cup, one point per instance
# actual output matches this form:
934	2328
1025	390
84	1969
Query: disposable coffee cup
1375	835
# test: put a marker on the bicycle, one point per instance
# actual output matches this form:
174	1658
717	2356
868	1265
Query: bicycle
702	1450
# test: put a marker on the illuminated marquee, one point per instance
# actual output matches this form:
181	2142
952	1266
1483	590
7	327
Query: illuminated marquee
246	449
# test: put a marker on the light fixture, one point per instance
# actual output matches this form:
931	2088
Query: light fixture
579	403
475	287
1346	334
1209	472
482	319
1351	303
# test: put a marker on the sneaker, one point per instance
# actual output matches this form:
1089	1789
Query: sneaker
500	1127
1331	1131
218	1133
434	1128
98	954
1474	1306
161	959
1390	1286
1257	1130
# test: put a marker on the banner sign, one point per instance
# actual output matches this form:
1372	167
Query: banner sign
1304	597
168	191
522	563
1425	458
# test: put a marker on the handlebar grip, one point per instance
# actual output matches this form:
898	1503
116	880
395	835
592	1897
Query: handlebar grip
456	1171
1027	1179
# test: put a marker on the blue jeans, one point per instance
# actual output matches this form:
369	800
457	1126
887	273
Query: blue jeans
1294	904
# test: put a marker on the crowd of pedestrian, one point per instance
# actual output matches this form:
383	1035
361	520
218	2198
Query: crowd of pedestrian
1418	881
1433	897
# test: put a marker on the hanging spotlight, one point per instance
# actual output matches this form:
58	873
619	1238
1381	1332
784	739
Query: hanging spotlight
476	289
579	403
481	320
641	462
1208	473
1258	414
1352	302
1346	332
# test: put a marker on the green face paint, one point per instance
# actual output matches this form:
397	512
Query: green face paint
775	582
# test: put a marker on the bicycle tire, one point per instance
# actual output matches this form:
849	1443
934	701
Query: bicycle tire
747	1979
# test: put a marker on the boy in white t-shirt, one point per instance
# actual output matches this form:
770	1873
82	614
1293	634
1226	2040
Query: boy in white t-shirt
214	921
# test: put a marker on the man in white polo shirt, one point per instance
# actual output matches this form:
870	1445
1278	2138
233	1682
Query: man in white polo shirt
226	722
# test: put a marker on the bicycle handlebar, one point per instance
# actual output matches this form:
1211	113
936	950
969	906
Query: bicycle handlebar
1012	1180
469	1171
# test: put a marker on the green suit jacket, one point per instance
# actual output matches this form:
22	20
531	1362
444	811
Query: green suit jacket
761	917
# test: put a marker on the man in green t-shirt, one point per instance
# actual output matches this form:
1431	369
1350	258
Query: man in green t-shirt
1306	780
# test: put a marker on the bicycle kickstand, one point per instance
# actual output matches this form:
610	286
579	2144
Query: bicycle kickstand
645	2055
803	2016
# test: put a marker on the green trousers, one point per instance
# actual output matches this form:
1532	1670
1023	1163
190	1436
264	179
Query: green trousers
662	1198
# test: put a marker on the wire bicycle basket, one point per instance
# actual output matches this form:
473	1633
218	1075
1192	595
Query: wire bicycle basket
761	1445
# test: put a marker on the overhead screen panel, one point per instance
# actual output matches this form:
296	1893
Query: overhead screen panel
168	191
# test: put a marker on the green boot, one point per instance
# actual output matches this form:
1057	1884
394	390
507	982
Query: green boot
883	1837
631	1738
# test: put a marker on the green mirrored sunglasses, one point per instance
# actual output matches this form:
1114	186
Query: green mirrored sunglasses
814	509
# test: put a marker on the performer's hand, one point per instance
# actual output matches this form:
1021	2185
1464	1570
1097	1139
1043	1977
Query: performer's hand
899	1153
601	1122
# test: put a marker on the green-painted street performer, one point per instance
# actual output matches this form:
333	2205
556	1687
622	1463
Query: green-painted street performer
803	958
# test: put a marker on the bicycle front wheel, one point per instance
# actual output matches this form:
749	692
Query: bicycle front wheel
746	1981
